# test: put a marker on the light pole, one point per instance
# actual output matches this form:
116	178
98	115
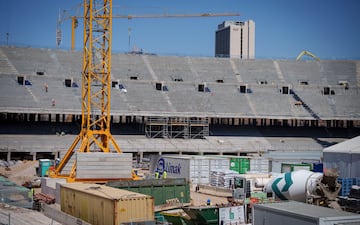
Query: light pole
129	33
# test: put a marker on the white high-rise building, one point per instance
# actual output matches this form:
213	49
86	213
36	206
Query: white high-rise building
235	39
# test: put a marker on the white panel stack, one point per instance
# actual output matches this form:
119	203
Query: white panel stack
103	165
222	178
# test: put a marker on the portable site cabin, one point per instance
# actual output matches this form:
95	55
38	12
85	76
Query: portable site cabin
344	156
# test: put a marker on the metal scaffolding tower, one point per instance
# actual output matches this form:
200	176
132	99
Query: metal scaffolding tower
177	127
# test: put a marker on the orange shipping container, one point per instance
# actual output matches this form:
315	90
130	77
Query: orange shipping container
103	205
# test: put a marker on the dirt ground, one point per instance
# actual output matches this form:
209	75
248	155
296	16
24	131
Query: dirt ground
20	172
201	198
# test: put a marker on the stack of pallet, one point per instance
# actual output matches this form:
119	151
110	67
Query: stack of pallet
351	203
346	184
222	178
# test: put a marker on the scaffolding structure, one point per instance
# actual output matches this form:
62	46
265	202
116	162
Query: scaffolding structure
177	127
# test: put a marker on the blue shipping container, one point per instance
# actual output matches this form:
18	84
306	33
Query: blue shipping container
318	167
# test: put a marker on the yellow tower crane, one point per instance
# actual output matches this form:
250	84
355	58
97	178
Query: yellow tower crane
75	21
95	133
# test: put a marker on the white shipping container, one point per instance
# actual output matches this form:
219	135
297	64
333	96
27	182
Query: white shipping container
194	168
259	165
199	169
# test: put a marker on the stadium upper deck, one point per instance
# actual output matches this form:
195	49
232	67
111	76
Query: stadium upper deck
229	88
262	96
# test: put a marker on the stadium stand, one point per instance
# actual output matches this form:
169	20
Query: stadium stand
127	66
257	71
212	91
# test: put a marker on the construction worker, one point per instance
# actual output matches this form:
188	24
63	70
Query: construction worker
197	188
31	193
164	174
57	161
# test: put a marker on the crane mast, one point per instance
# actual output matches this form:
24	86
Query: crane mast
95	133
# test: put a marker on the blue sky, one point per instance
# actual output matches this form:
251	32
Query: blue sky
328	28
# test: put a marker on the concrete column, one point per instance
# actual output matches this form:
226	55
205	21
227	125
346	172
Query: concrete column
122	119
8	156
236	121
53	118
34	156
141	156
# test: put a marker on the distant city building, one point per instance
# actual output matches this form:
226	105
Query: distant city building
235	39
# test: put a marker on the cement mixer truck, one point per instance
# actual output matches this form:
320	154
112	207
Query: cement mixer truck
306	186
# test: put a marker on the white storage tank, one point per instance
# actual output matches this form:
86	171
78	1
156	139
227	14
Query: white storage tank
194	168
295	185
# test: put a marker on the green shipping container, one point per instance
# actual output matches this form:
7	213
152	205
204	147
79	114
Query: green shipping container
285	167
240	165
203	214
161	189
